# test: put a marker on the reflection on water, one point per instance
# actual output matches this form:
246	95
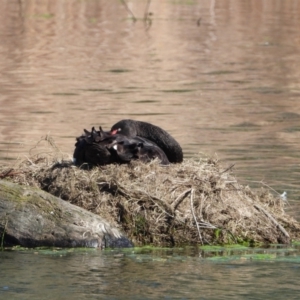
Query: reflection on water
134	274
221	76
228	86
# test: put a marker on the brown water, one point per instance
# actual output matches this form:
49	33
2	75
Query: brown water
221	76
150	274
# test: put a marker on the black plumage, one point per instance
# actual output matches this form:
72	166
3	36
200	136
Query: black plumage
102	148
155	134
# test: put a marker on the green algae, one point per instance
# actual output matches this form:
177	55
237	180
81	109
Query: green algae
216	254
57	251
222	248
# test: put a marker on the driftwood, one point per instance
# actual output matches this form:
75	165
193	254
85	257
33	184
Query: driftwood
30	217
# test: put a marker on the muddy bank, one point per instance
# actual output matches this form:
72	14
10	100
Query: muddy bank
31	217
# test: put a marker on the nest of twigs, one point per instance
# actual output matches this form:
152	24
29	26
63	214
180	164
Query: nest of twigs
197	201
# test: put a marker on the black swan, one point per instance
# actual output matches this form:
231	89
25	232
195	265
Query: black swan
102	148
145	152
155	134
92	148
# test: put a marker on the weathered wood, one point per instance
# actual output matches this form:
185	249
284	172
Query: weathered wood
31	218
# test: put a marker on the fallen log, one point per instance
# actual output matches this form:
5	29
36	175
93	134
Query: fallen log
30	217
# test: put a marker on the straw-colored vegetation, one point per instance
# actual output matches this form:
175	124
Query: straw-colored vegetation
197	201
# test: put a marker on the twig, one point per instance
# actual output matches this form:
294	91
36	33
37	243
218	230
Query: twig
50	142
146	10
230	167
29	160
269	187
163	206
201	205
6	173
129	10
179	199
273	220
193	213
261	182
206	225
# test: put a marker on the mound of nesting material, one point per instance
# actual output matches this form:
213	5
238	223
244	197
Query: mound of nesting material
196	201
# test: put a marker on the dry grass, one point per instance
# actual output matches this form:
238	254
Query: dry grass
197	201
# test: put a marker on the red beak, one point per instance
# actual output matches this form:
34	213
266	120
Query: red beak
114	132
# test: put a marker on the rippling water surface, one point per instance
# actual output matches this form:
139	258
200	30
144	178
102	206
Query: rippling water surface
150	274
221	76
